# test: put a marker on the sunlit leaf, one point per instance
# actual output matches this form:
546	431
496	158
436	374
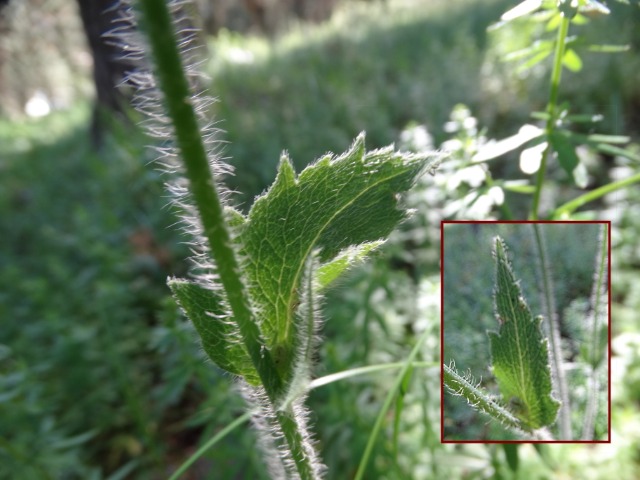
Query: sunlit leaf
593	8
493	150
520	358
580	176
596	137
524	8
609	48
335	204
519	186
572	60
531	158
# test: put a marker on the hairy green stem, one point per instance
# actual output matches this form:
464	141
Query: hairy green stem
554	335
177	97
556	76
318	382
479	400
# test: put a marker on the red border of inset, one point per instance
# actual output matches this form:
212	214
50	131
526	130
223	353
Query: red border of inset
442	224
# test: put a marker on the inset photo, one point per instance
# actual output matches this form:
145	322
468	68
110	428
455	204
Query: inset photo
526	332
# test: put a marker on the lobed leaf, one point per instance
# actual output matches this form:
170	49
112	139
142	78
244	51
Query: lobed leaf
334	204
520	358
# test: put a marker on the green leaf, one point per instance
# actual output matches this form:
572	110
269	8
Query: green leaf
572	60
332	270
511	454
334	204
220	340
518	186
565	149
523	8
622	152
527	133
520	359
609	48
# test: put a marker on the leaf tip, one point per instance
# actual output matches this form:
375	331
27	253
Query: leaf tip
286	173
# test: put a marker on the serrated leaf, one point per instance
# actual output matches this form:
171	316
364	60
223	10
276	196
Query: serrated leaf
333	204
520	359
206	309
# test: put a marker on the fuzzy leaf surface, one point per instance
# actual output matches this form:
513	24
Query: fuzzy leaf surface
519	350
210	316
332	205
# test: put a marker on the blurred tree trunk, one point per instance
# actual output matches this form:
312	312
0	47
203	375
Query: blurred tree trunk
109	68
4	30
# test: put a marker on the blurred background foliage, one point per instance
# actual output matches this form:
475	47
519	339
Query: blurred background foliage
100	375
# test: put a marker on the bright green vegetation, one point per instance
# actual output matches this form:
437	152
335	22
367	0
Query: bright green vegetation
101	375
519	353
258	318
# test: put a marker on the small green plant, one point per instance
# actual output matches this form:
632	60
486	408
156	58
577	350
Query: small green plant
520	359
256	295
526	357
560	134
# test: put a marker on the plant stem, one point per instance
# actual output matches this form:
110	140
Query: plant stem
334	377
318	382
570	207
387	404
174	85
458	385
554	335
210	443
595	352
177	97
556	76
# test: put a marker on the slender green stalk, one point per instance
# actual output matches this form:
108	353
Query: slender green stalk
554	335
334	377
210	443
570	207
175	87
598	295
596	350
387	405
480	400
177	97
556	76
